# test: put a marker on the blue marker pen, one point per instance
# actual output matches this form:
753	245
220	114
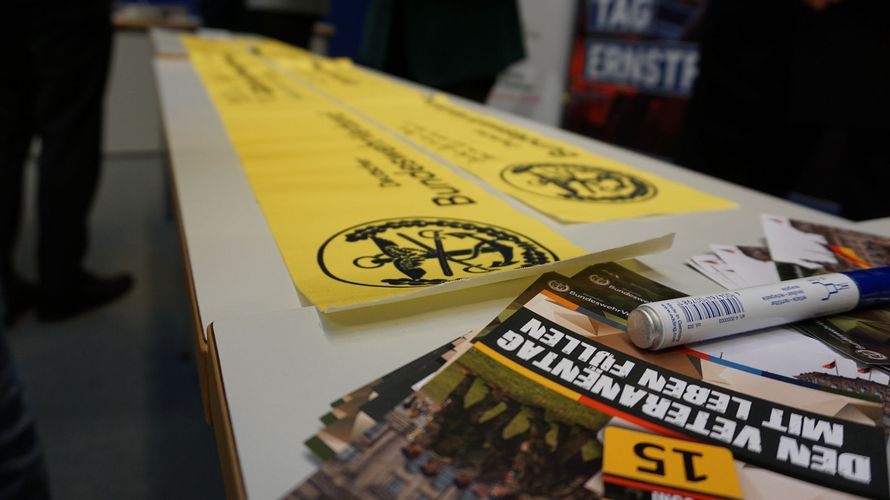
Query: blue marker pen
669	323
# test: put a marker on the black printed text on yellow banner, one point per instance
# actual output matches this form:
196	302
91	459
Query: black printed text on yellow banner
358	215
564	181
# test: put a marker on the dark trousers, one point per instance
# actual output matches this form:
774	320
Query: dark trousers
52	87
289	27
22	468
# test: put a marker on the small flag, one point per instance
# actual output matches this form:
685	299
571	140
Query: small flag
833	364
849	255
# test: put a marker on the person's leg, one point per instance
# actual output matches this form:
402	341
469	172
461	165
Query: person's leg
866	174
289	27
223	14
72	47
14	140
23	473
16	101
72	52
474	90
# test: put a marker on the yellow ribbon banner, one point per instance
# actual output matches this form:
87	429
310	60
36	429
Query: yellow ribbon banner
358	215
561	180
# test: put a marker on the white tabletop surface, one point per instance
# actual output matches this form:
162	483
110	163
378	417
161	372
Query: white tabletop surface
236	267
282	364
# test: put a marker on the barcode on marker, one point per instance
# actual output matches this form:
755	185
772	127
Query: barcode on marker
712	307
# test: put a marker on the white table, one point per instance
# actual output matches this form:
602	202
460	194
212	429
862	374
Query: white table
274	365
232	262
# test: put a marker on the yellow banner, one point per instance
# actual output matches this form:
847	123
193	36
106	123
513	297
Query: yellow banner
358	215
652	462
561	180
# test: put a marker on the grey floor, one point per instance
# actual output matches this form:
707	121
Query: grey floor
115	391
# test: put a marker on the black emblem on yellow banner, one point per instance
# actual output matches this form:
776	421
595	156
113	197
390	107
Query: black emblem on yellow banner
422	251
568	181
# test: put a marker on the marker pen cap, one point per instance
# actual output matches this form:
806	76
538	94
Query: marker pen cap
873	285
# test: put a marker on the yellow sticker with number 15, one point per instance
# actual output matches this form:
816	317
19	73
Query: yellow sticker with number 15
650	462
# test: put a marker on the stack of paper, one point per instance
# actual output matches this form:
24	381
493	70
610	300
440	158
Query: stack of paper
530	407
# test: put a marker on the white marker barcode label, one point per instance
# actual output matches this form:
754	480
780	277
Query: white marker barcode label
714	306
693	319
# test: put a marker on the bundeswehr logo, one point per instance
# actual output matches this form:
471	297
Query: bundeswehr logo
567	181
422	251
599	280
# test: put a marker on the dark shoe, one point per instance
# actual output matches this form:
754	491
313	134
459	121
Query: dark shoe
90	292
20	297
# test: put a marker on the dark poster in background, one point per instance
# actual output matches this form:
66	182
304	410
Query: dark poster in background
632	68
